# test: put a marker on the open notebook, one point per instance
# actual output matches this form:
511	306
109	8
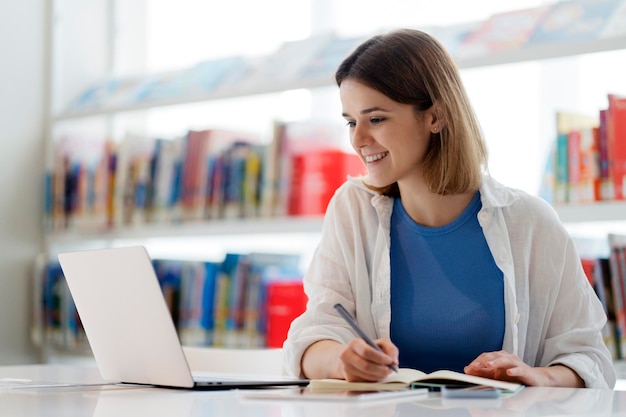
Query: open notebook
129	327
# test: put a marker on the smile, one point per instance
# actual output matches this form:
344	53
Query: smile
376	157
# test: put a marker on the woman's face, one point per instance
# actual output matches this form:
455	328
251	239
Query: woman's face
390	137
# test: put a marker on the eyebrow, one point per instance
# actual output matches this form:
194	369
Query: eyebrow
368	110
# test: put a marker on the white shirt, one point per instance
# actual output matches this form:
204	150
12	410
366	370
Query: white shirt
552	315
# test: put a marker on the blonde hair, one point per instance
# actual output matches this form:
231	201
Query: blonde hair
412	67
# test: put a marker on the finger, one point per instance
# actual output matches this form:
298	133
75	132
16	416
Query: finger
356	365
495	359
503	362
389	348
370	354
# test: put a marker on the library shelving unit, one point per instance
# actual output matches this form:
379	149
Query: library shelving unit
71	75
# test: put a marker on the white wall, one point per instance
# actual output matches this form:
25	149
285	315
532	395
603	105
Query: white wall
22	35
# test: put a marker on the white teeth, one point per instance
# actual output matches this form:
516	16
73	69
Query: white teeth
372	158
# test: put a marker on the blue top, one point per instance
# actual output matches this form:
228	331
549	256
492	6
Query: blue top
447	294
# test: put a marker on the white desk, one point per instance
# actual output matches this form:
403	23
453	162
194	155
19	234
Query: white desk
125	401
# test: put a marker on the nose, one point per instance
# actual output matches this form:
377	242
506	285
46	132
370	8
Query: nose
360	137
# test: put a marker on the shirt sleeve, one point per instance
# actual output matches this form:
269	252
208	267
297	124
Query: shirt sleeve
566	315
574	336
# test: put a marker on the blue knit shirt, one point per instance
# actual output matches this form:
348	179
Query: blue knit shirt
447	294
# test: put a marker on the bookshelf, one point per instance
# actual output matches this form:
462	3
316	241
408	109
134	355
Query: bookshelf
64	113
523	54
602	211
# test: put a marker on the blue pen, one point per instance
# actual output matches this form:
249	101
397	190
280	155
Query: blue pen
350	320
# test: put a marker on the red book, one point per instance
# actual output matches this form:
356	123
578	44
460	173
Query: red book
286	300
616	144
606	184
316	175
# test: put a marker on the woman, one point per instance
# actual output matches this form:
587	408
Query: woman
438	262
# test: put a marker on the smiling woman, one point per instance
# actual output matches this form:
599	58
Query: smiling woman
428	249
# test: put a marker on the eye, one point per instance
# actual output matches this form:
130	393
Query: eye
350	123
376	120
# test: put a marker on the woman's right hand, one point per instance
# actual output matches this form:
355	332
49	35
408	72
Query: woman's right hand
361	362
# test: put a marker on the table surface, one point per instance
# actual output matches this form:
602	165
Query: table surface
123	400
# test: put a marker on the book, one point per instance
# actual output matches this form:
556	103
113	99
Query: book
205	156
502	32
567	153
583	165
407	377
606	183
453	36
573	165
285	64
616	24
574	21
316	175
166	156
327	59
617	264
603	288
193	280
616	145
285	300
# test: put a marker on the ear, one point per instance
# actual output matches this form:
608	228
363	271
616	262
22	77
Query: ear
435	118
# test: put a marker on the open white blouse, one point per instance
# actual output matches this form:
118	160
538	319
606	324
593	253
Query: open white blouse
552	313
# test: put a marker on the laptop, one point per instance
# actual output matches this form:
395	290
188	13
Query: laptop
129	327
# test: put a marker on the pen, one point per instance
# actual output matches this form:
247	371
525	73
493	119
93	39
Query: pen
350	320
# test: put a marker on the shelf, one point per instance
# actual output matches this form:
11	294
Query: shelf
220	94
244	88
590	224
546	51
604	211
212	229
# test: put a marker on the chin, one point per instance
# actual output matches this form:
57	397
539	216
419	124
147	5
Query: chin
377	183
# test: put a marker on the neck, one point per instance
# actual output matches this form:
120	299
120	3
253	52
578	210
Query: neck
434	210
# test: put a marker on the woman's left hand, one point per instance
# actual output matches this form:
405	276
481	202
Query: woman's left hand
506	366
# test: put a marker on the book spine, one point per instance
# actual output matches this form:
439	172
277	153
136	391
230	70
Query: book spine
617	145
285	301
606	183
